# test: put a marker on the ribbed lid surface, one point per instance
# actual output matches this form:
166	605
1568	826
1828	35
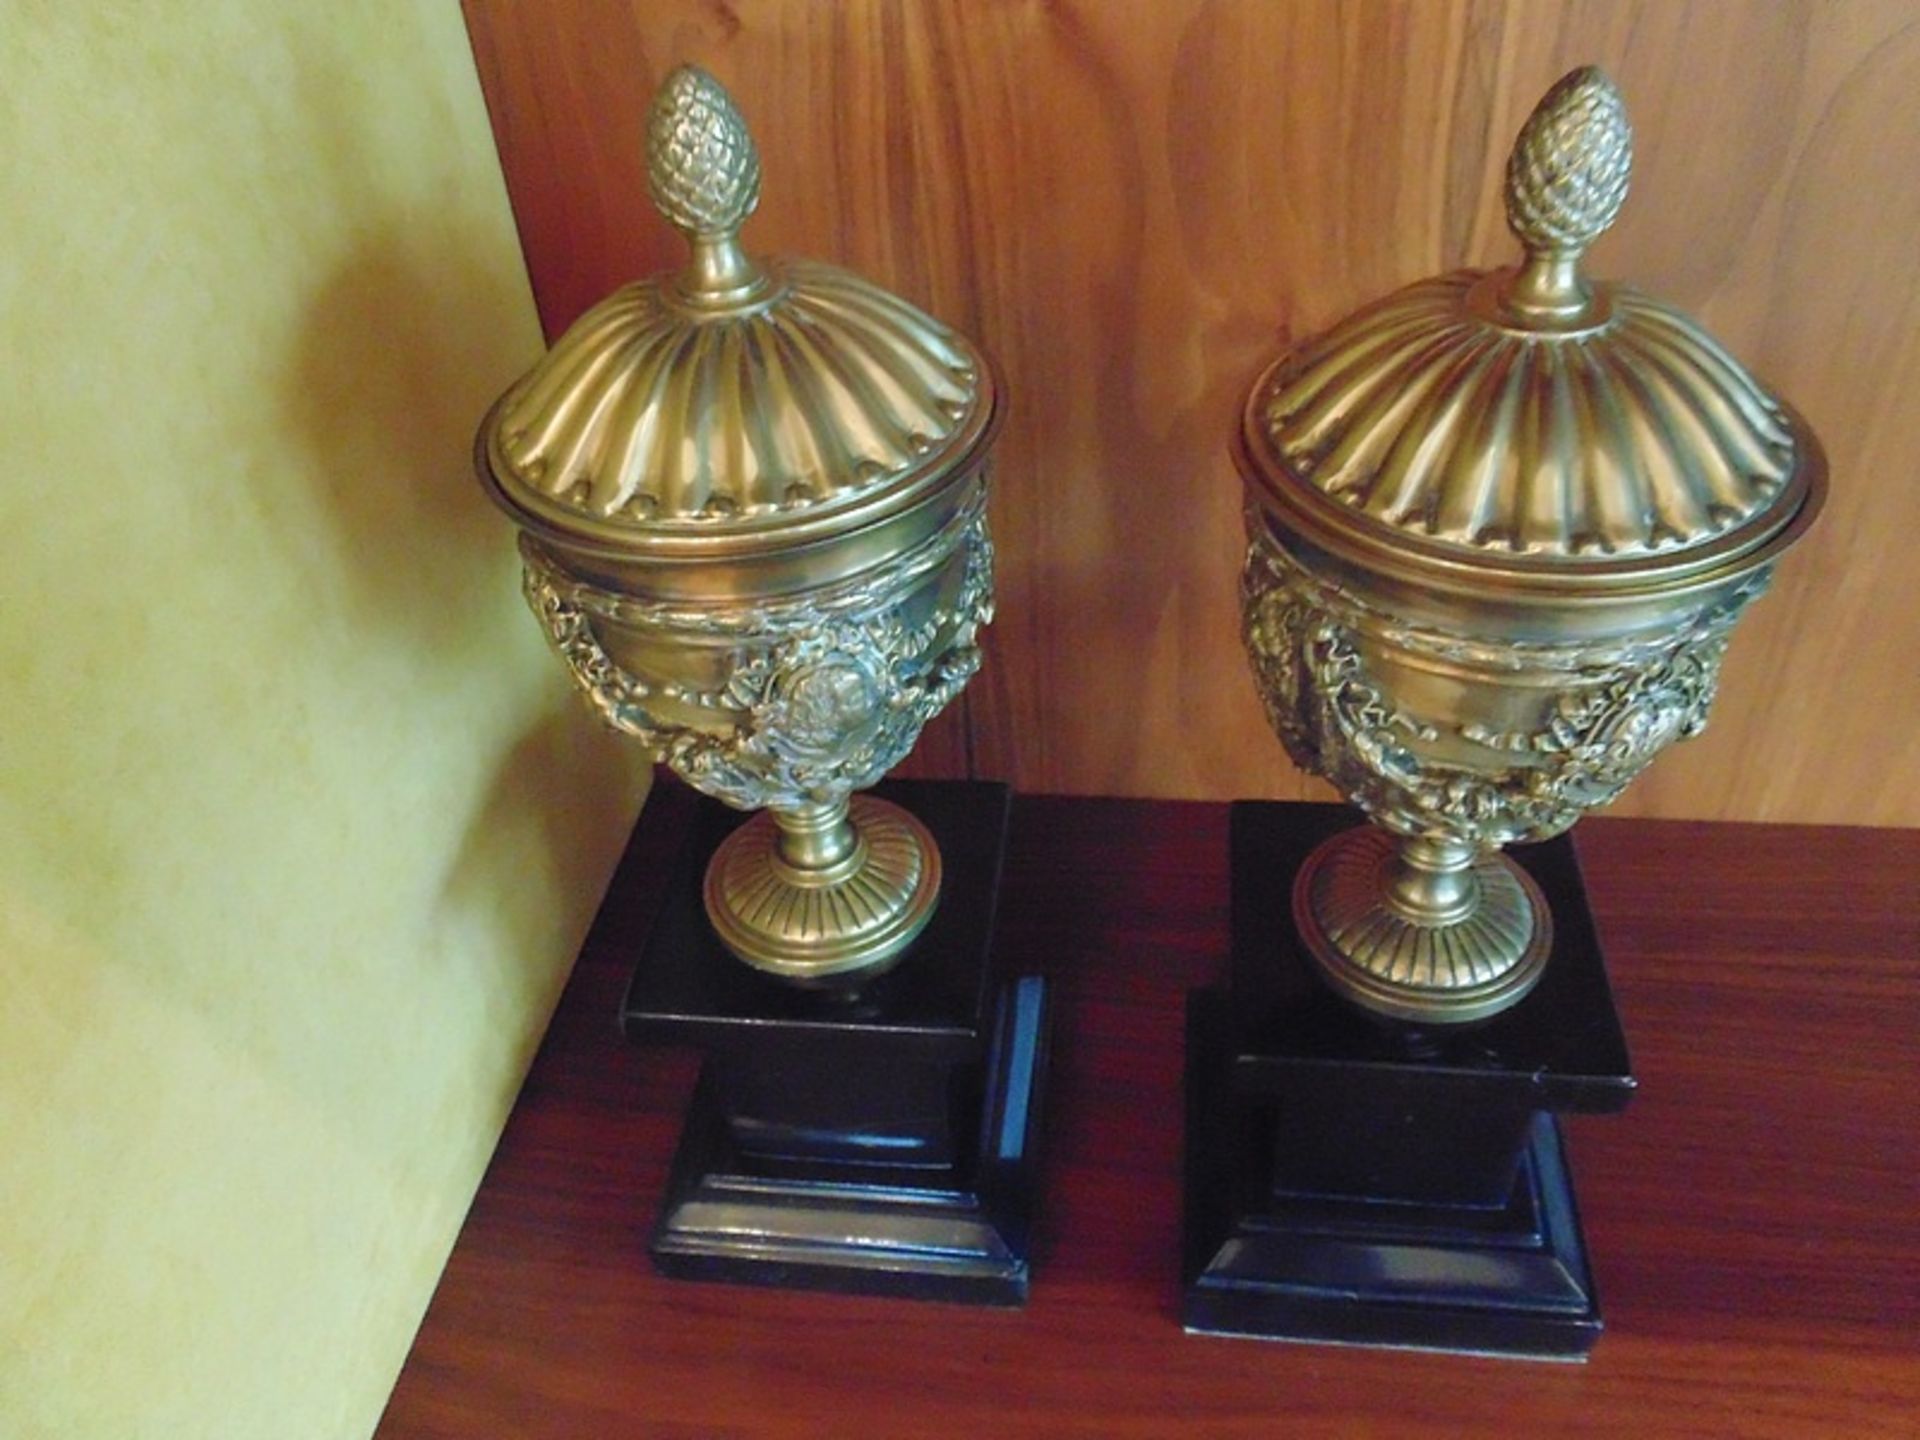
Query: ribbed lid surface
736	397
1526	418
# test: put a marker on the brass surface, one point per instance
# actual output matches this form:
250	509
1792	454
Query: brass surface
752	497
1500	527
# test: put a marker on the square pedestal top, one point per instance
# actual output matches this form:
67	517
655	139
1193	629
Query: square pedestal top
1560	1048
688	987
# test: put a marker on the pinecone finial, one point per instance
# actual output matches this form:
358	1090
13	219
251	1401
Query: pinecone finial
702	167
1567	176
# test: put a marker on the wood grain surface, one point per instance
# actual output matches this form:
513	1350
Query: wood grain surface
1754	1217
1131	204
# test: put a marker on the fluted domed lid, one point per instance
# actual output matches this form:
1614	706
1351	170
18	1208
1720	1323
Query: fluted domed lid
740	399
1526	420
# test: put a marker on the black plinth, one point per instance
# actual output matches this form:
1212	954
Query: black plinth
1359	1181
881	1140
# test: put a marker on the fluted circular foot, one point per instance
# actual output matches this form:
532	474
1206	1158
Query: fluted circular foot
844	920
1462	961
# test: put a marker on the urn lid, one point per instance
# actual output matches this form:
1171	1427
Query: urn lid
1528	427
741	403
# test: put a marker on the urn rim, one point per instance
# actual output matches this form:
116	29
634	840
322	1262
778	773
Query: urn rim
571	531
1303	510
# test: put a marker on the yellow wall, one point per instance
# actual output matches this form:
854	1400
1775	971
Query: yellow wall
299	827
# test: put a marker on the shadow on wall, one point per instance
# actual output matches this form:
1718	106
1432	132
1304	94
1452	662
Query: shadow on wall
431	562
551	822
402	348
399	350
390	424
403	344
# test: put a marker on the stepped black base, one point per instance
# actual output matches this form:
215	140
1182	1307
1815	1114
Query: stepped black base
957	1235
1509	1279
1358	1181
882	1140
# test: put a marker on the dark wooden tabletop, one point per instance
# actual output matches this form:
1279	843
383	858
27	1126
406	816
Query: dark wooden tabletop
1754	1217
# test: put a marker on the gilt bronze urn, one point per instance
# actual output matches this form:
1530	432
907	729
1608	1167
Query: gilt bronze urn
1501	524
753	513
752	503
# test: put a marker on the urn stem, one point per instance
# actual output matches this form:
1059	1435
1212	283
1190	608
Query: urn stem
822	894
815	837
1432	882
1432	931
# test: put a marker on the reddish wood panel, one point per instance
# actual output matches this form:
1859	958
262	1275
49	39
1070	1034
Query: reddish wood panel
1130	203
1754	1216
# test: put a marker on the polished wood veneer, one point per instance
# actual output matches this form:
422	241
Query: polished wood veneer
1754	1218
